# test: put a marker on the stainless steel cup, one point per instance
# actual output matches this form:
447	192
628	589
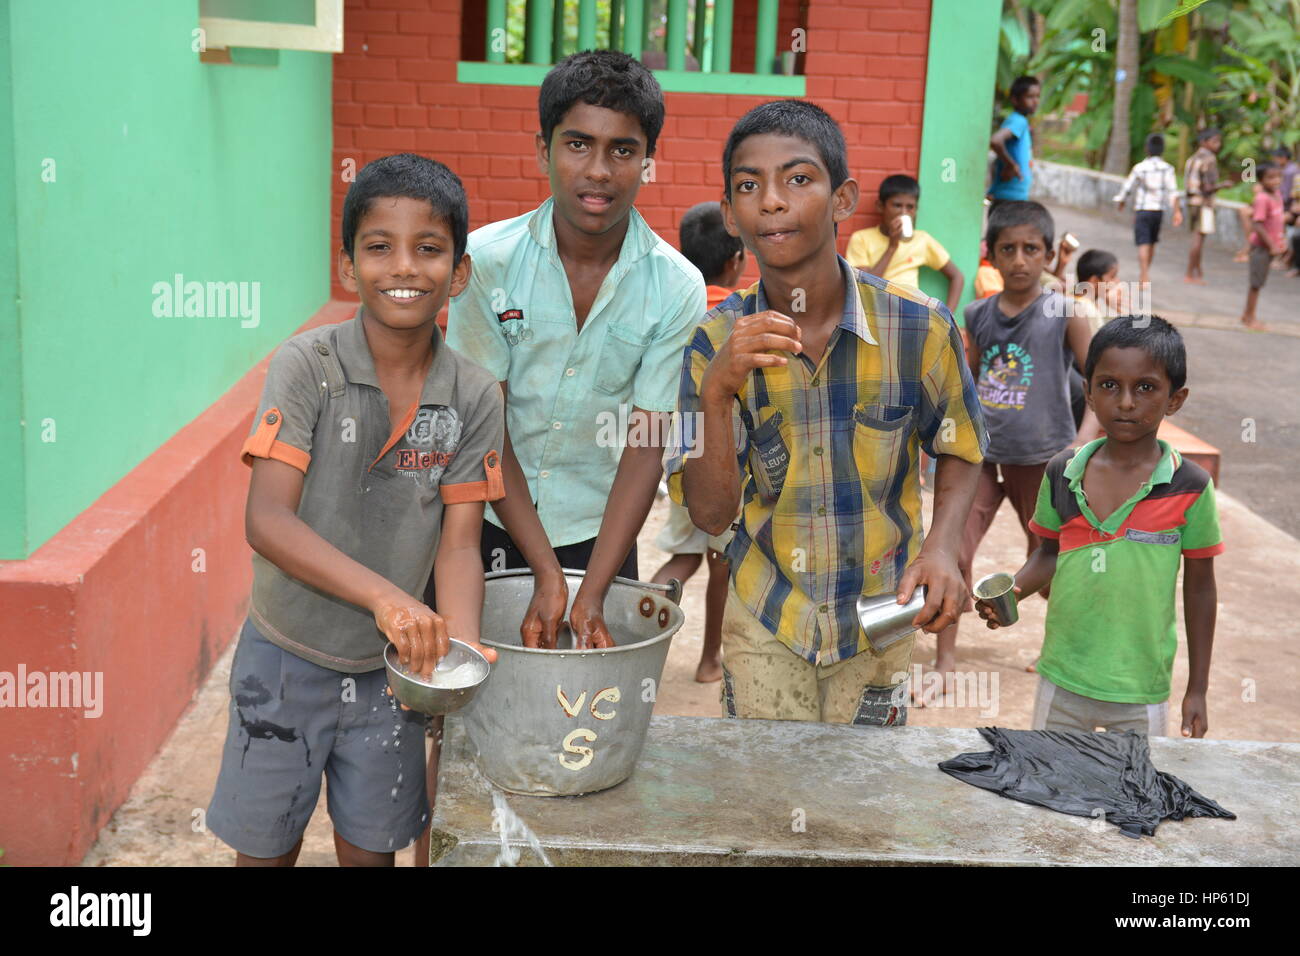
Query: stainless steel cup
887	622
996	591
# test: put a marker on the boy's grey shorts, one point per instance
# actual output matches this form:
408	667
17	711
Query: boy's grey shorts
291	720
1056	708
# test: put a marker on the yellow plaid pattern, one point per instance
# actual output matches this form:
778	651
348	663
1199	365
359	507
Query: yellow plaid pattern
828	454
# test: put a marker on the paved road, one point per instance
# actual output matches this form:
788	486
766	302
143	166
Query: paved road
1232	375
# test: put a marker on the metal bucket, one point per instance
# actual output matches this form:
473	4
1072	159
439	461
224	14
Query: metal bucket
565	722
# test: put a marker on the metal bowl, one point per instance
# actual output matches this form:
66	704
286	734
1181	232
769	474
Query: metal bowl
427	699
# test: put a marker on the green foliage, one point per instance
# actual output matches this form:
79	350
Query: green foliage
1240	71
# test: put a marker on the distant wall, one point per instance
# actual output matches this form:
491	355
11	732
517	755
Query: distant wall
124	162
1089	189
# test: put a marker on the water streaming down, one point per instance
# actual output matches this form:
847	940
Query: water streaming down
509	826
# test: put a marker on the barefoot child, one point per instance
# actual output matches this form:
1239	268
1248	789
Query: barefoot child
1115	517
374	449
1201	181
720	257
1266	237
1021	343
581	311
1154	186
816	388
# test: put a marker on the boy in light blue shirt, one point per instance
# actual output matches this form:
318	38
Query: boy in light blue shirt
1013	143
582	313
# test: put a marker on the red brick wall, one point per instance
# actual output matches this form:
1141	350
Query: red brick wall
395	90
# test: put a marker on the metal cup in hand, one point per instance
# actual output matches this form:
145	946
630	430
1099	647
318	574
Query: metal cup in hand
997	591
887	622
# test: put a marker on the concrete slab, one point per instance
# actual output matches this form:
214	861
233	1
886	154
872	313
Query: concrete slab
711	791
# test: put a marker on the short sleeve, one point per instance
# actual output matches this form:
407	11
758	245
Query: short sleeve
656	385
474	473
1201	536
1046	522
936	256
1017	123
473	328
1260	207
287	414
949	420
687	433
856	253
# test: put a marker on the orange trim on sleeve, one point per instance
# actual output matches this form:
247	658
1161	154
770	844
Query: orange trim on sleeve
1209	552
493	488
263	444
290	456
398	432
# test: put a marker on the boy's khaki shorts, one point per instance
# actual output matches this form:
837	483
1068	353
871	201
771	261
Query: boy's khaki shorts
762	678
1056	708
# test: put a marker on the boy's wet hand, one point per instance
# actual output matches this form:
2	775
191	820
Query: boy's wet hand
753	343
545	613
588	624
419	634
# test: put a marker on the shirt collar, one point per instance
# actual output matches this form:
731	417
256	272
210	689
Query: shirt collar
1162	474
853	318
637	242
359	364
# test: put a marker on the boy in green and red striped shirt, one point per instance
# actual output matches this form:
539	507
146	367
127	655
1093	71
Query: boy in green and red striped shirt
1115	517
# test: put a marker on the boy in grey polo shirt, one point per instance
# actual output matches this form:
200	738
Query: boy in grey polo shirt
374	450
582	312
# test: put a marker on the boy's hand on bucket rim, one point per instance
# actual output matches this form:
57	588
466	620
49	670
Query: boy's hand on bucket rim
947	595
541	624
587	622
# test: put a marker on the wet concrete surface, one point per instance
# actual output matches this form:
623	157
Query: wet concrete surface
759	793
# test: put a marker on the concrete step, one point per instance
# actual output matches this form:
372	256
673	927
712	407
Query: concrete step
1191	447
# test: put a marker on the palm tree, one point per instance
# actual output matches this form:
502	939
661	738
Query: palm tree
1126	70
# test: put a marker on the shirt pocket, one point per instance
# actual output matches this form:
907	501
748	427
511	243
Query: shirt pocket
620	357
880	442
769	455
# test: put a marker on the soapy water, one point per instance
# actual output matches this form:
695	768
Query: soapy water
462	675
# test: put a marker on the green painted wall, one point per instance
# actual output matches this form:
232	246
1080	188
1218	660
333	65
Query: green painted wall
955	131
162	165
12	484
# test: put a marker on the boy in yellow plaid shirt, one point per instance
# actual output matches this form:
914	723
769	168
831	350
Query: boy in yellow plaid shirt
808	398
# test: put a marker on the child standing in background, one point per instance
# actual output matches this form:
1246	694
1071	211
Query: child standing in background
1154	186
886	250
1115	517
720	257
1021	342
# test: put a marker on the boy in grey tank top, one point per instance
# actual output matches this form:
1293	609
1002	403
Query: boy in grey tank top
1019	345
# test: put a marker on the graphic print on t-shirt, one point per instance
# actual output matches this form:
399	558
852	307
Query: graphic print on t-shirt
1006	374
433	437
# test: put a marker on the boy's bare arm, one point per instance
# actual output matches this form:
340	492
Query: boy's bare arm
935	566
519	517
893	232
275	531
1078	334
998	143
639	469
1200	606
956	282
458	571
